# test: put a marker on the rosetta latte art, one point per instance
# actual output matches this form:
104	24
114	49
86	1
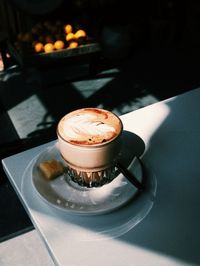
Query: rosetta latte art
86	126
89	126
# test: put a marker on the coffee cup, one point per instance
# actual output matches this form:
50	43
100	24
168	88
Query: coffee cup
89	141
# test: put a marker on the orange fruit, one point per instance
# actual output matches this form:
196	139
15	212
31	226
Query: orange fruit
73	44
69	36
49	47
68	28
59	45
39	47
79	34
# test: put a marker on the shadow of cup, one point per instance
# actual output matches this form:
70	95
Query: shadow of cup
132	146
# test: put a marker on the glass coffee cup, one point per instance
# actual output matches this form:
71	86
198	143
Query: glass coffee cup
89	141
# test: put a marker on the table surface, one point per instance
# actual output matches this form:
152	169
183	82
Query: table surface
168	234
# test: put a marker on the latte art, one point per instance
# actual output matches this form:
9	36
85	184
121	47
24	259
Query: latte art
89	126
85	125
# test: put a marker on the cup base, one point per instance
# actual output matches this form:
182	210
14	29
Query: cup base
92	179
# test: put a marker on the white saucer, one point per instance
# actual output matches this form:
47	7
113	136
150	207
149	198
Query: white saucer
118	216
64	194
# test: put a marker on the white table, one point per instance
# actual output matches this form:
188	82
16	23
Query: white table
170	233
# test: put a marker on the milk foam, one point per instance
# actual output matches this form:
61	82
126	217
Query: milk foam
87	127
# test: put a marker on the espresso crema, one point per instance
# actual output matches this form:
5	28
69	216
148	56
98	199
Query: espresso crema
89	126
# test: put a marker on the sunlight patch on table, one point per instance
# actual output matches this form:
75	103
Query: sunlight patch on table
29	115
150	120
88	87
